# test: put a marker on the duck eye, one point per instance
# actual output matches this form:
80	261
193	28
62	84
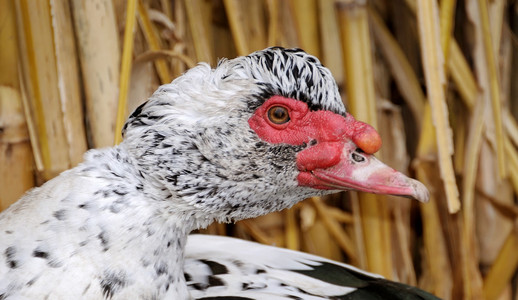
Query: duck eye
278	115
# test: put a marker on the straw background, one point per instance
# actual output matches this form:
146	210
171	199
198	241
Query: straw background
438	79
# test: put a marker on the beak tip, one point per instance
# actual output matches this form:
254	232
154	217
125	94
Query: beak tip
421	193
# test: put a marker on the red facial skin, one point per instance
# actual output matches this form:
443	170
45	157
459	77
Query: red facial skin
328	129
327	162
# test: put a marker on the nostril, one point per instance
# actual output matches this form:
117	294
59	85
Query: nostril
357	157
313	142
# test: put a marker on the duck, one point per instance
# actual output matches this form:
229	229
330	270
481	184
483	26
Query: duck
254	135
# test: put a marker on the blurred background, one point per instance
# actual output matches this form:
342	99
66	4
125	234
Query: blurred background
438	79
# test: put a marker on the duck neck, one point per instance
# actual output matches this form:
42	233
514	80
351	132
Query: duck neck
144	223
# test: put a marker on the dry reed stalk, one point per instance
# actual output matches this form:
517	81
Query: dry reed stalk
405	267
335	229
15	148
316	238
435	247
125	70
468	88
362	104
256	232
357	229
273	23
291	229
472	280
511	127
400	67
492	229
273	225
98	45
512	154
395	154
427	17
502	269
494	85
179	40
447	18
462	76
357	60
153	42
256	25
496	13
331	48
287	28
340	215
236	19
305	13
200	31
457	64
16	168
470	166
43	74
319	241
163	54
167	9
68	76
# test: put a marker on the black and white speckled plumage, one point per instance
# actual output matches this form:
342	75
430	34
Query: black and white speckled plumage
116	226
263	272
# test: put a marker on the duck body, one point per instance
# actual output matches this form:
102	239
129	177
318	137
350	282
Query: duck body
256	134
91	233
222	268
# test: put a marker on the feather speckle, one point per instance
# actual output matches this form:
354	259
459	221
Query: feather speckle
116	226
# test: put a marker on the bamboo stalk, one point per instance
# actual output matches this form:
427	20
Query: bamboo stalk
98	45
427	16
125	73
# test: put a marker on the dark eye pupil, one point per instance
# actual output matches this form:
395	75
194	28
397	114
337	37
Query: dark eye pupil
278	115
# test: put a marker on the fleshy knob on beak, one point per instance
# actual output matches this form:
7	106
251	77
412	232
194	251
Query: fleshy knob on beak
363	135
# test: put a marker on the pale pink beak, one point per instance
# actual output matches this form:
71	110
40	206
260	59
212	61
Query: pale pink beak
348	164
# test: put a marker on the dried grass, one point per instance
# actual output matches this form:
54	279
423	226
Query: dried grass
436	80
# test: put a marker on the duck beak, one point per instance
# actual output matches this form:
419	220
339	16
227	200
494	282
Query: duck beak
357	170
